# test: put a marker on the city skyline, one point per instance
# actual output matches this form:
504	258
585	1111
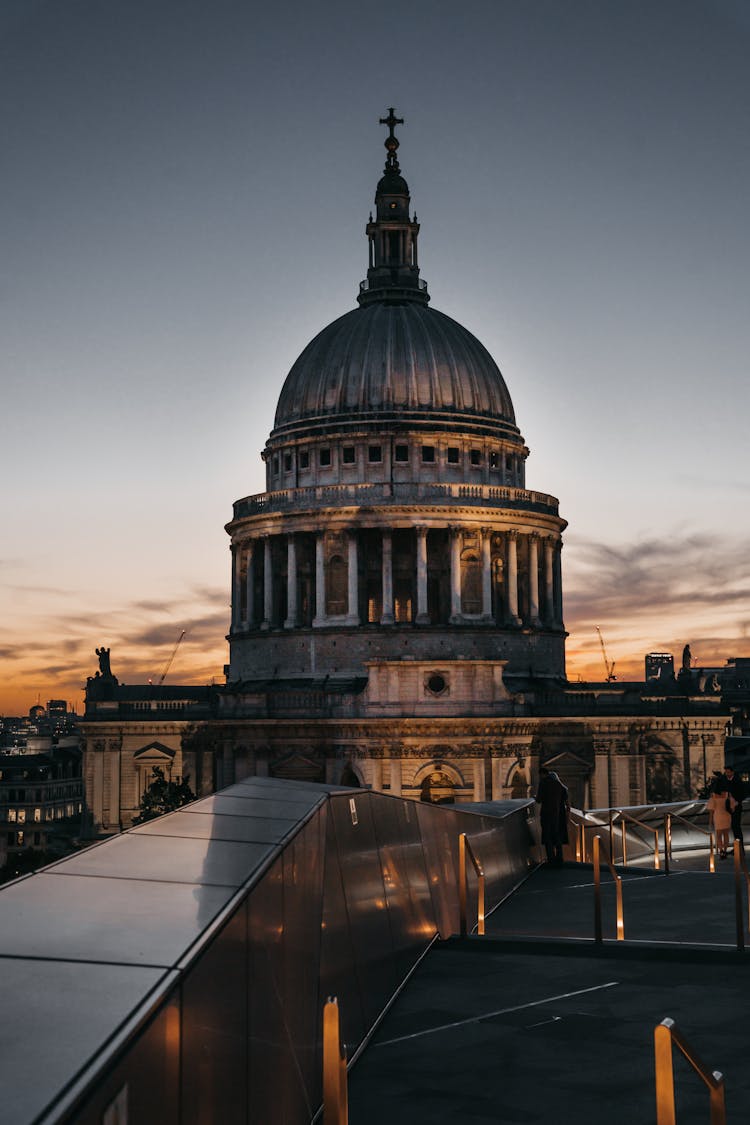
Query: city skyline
186	197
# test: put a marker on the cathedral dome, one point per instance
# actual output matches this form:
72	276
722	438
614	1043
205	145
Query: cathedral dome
395	362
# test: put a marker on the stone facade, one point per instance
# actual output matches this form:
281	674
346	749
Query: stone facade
396	592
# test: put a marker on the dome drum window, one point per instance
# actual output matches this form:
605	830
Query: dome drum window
454	455
348	455
428	454
401	454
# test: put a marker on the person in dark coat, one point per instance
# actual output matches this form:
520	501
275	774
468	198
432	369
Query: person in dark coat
737	790
552	796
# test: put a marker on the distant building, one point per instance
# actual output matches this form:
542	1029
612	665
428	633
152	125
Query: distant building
659	666
41	802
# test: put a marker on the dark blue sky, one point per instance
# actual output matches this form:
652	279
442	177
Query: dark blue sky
185	187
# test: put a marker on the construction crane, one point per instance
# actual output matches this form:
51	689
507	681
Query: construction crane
609	665
171	658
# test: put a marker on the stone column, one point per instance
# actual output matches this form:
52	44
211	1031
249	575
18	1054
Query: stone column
534	581
386	617
267	584
320	581
250	586
549	580
498	766
455	548
396	777
558	586
377	774
479	794
353	583
487	573
236	570
423	617
291	582
513	578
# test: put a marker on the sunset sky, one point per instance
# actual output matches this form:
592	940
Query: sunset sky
185	189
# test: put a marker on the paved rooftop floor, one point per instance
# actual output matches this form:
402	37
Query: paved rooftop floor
535	1022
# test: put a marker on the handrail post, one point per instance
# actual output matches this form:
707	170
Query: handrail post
666	1036
335	1098
597	892
718	1105
611	836
462	883
665	1106
667	833
740	925
480	903
711	860
624	844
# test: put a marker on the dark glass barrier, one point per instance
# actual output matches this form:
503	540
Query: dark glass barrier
204	945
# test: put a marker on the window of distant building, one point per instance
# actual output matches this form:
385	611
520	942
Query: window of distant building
401	453
374	454
22	816
12	816
348	455
428	453
325	458
454	455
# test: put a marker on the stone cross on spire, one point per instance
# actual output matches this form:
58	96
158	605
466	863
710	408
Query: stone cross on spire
391	141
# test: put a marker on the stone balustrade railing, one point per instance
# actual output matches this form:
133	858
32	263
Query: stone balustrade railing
406	492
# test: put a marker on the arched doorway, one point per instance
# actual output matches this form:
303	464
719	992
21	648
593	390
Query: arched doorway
437	788
659	779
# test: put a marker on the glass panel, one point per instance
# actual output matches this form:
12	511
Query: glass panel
81	918
147	1078
214	1030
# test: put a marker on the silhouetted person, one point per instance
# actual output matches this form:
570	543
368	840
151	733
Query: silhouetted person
737	790
719	807
552	796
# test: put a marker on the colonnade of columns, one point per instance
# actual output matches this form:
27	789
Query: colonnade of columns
545	593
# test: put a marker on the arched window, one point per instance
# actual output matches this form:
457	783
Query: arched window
336	586
471	585
498	590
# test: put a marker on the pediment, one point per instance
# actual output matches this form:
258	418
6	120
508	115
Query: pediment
154	752
568	761
297	767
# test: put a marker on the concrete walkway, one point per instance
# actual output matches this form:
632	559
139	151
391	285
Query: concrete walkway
536	1023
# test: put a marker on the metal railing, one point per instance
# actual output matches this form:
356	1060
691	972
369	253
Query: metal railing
696	828
581	850
335	1092
598	894
464	848
740	869
665	1035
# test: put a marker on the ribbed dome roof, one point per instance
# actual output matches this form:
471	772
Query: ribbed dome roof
397	361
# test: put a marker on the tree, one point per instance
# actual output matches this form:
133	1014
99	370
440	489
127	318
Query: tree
163	796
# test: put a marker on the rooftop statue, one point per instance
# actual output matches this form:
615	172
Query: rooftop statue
104	665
